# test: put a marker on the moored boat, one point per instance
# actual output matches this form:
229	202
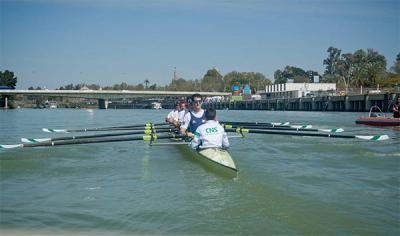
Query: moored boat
377	118
378	121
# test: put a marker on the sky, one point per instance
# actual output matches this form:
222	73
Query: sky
51	43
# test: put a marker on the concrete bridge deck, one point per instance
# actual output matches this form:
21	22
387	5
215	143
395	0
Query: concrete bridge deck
107	94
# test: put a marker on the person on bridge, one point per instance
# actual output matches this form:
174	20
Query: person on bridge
210	134
194	118
173	116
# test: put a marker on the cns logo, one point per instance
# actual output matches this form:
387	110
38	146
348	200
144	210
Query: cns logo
211	130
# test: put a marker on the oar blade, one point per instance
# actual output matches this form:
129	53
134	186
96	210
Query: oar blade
373	137
339	130
47	130
301	126
10	146
35	140
282	123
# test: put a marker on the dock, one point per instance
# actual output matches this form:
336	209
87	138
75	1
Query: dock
350	103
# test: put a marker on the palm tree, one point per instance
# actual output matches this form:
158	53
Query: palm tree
146	82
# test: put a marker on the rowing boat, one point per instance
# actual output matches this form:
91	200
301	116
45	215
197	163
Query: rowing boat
216	159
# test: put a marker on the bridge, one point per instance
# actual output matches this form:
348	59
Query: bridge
105	95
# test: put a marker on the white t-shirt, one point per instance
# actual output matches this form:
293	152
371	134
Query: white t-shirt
173	114
186	119
210	134
181	115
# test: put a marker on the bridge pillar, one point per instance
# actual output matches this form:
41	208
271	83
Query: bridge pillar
5	102
347	105
103	104
367	103
313	104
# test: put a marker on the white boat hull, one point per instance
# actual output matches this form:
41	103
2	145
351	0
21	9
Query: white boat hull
216	159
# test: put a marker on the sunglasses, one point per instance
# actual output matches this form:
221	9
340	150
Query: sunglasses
197	101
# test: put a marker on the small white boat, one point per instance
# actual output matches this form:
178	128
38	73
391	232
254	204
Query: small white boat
51	104
156	105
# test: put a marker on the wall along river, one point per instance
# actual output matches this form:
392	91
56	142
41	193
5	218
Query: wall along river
287	185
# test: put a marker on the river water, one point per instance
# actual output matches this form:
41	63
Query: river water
287	185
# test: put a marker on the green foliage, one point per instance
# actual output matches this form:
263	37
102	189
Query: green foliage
7	78
182	85
79	87
153	87
361	68
278	77
212	81
396	67
146	82
256	80
332	62
296	74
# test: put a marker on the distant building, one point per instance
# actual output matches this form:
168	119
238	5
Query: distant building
298	90
85	88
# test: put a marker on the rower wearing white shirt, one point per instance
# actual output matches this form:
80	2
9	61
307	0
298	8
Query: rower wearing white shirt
210	134
193	118
173	116
183	109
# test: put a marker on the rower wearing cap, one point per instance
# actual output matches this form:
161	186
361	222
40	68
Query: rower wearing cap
210	134
194	118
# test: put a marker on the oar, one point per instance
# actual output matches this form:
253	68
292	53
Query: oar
150	138
256	123
292	127
133	127
146	131
258	131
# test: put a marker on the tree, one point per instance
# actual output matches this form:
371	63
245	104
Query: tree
396	67
257	81
146	82
278	77
153	87
332	70
181	85
375	67
332	61
212	81
296	74
139	87
7	78
392	79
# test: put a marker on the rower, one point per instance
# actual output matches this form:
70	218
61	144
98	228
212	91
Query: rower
396	108
210	134
183	110
172	117
193	118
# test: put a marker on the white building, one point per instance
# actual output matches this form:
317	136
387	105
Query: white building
297	90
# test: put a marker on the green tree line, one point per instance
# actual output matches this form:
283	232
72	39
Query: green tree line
361	68
212	81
